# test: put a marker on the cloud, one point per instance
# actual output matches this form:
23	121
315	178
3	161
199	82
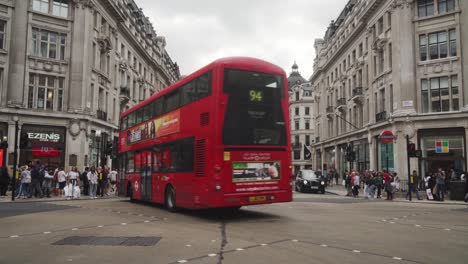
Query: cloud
198	32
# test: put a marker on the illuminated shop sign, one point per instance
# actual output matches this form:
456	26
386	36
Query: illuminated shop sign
44	137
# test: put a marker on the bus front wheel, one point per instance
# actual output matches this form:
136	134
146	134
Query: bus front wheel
170	199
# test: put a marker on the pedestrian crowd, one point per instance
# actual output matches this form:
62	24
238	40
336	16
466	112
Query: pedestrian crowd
37	180
373	183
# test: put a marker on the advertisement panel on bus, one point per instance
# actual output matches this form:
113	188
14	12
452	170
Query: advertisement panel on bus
155	128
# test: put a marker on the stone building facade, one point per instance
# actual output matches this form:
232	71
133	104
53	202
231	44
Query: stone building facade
301	119
68	68
397	65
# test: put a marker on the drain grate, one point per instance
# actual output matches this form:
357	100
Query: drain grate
108	241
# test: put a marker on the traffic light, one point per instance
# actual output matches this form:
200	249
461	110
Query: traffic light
23	144
109	148
350	154
412	150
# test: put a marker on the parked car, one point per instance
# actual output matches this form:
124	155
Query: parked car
310	181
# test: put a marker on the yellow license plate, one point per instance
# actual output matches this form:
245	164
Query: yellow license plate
257	198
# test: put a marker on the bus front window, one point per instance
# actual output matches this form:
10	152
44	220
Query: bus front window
254	115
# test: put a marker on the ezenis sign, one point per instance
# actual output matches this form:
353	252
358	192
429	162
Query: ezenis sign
52	137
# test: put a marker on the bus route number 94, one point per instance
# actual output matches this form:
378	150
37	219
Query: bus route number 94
256	96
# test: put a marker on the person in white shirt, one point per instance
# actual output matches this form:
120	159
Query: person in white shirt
73	179
62	180
93	181
47	184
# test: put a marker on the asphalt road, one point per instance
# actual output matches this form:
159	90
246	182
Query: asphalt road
313	229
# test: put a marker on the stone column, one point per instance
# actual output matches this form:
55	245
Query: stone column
18	50
404	82
463	53
80	66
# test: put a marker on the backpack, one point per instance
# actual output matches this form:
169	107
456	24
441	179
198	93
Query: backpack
379	181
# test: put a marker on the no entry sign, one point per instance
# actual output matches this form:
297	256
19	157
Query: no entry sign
387	137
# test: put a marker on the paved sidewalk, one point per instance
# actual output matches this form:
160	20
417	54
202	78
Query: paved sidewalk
6	199
399	197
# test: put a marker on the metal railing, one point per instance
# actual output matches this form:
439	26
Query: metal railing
330	109
101	115
341	101
357	91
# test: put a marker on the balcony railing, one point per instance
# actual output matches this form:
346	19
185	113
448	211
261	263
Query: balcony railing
382	116
330	109
341	102
357	91
317	139
124	91
101	115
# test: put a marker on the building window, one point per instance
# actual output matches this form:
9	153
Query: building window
446	6
453	42
41	6
297	154
391	98
381	61
2	34
425	8
307	140
296	125
307	111
438	47
48	44
296	111
307	125
59	7
297	96
360	50
390	54
380	26
45	92
440	94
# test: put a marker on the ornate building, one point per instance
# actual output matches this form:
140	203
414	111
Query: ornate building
399	66
68	68
301	119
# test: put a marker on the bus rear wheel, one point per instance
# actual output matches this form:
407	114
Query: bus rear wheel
170	199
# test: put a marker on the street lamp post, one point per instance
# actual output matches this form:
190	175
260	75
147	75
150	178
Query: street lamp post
15	159
98	139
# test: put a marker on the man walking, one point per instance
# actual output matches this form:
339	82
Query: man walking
413	185
440	179
84	180
35	182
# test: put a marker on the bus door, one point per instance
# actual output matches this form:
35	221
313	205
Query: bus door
157	174
122	171
146	177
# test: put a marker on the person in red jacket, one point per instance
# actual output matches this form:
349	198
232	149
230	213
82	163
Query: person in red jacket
388	186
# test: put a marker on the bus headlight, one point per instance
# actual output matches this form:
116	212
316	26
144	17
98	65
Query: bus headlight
305	182
322	182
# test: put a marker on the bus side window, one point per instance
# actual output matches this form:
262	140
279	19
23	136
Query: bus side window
157	161
137	162
203	86
188	93
130	162
172	101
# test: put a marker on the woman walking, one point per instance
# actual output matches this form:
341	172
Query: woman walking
73	180
93	181
62	180
388	186
25	182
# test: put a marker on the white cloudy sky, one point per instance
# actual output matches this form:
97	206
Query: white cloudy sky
200	31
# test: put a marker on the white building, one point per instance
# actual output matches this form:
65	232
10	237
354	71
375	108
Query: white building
68	69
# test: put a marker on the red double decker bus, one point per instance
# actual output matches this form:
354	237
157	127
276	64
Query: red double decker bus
217	138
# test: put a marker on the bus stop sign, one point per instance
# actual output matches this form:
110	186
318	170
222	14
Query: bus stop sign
387	137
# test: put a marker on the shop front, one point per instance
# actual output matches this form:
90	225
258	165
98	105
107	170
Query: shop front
361	148
385	158
445	149
44	144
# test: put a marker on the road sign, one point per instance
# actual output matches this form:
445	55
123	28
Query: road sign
387	137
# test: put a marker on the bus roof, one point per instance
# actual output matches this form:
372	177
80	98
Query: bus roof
236	62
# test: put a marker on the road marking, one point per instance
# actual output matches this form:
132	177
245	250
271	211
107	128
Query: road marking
239	249
356	251
447	229
74	229
13	236
418	225
182	261
212	255
47	232
392	223
212	241
323	245
99	226
146	221
397	258
188	245
295	240
384	220
123	223
263	245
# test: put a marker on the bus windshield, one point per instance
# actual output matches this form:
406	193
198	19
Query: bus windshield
254	115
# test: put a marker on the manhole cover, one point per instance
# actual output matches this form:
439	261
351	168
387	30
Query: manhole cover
108	241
